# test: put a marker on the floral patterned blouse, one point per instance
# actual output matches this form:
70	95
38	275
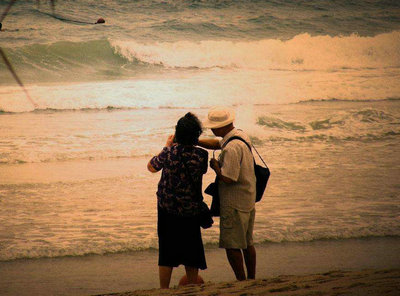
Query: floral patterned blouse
179	190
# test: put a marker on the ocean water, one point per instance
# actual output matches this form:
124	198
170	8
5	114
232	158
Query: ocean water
315	85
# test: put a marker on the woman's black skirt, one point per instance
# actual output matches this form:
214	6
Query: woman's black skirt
179	241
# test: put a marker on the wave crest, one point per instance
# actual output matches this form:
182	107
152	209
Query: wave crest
303	52
117	59
69	61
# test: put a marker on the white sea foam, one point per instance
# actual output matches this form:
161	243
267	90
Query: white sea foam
303	52
44	137
224	72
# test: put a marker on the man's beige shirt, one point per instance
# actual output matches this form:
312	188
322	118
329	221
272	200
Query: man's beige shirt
236	161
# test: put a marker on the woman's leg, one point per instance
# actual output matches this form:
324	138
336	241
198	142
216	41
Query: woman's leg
191	274
165	273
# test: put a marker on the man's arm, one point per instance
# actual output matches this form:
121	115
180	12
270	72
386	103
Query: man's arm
215	166
209	143
214	144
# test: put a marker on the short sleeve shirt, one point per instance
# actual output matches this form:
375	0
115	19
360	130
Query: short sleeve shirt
179	188
237	163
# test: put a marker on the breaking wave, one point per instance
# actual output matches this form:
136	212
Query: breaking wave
70	61
116	59
303	52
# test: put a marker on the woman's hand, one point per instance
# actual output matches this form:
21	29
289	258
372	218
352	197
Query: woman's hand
170	141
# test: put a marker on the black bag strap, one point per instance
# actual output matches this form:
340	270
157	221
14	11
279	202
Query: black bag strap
247	144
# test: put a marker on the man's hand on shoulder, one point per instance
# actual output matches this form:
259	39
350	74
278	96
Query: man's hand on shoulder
209	143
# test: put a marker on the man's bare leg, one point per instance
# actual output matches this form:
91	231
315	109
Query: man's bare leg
250	260
235	259
165	273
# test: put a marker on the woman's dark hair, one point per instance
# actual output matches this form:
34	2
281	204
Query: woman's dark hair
188	130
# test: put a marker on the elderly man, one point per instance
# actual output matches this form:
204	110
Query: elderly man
237	190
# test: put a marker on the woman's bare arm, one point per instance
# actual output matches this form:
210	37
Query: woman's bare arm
150	168
170	142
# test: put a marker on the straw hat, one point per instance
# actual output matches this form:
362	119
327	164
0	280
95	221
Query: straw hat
219	116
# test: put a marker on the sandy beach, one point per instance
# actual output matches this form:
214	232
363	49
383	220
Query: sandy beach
364	282
370	264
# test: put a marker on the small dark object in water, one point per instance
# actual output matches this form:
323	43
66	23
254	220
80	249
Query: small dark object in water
100	21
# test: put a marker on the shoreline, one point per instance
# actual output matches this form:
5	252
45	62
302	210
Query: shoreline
338	282
133	271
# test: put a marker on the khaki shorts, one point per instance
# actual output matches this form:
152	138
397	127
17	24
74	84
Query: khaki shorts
236	228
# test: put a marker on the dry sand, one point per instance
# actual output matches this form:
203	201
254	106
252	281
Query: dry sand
365	282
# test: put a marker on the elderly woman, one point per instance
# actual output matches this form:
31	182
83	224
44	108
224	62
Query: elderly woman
179	197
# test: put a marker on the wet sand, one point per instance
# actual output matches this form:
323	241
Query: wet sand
365	282
134	271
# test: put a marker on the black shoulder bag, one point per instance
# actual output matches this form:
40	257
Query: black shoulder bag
262	173
205	217
212	189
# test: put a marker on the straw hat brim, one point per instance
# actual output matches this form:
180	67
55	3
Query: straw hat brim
217	124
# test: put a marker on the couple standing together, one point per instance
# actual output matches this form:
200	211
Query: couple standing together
183	164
